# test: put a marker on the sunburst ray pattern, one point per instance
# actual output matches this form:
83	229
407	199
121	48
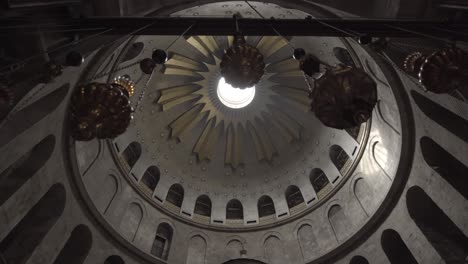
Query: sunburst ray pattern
236	127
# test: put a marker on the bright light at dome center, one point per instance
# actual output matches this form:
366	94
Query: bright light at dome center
234	97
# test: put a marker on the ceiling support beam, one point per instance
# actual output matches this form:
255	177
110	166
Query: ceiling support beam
253	27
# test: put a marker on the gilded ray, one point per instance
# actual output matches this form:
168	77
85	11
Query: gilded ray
208	140
186	122
178	61
287	65
263	144
297	96
173	96
286	123
234	143
270	45
207	45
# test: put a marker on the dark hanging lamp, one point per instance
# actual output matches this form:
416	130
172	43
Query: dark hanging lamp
100	110
344	97
443	71
6	98
242	65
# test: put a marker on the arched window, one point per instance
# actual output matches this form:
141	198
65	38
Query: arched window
150	179
441	115
162	241
175	195
319	181
25	167
293	196
234	210
265	206
446	165
440	231
77	247
21	242
339	157
132	153
114	260
359	260
203	206
395	248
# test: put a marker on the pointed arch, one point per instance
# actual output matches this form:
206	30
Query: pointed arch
17	174
197	250
265	206
131	221
77	247
162	241
150	179
234	210
131	154
23	239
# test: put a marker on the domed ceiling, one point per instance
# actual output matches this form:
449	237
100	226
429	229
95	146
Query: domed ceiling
227	153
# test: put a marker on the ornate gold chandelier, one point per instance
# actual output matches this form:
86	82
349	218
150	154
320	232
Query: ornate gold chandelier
101	110
443	71
242	65
343	96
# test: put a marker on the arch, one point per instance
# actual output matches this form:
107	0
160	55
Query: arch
233	248
339	222
131	221
448	240
150	179
358	260
162	241
293	196
454	123
23	239
175	195
307	242
319	181
244	261
274	250
31	114
77	247
197	250
110	188
17	174
364	194
132	153
446	165
114	260
203	206
339	157
265	206
395	248
234	210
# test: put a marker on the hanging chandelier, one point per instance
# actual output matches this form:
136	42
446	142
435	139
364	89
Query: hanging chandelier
101	110
443	71
344	97
242	65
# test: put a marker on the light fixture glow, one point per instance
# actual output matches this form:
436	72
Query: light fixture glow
234	97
